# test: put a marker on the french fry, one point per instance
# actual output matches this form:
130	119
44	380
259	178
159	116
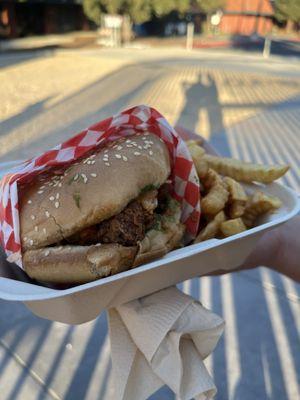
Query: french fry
211	229
259	203
197	154
232	227
237	197
244	171
198	142
217	194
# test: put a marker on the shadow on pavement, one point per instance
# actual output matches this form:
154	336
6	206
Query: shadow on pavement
279	47
91	104
27	114
11	58
202	95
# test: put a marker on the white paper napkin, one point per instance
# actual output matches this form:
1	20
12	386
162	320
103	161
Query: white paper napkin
162	339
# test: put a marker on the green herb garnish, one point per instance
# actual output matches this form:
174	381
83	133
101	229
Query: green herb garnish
172	204
77	199
147	188
75	178
157	225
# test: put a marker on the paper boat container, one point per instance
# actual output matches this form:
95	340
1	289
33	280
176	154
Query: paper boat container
85	302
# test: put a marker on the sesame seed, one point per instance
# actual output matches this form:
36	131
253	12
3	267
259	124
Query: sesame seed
56	204
76	177
93	156
108	164
29	201
44	230
140	147
47	252
47	214
119	147
36	228
32	217
129	145
57	196
42	187
118	156
89	162
40	191
93	162
105	151
51	198
25	238
31	242
124	158
151	153
93	175
136	153
84	177
60	184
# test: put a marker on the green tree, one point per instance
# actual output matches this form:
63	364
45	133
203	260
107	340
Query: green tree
94	9
287	10
138	10
210	6
164	7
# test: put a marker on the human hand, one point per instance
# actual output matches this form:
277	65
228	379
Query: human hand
278	249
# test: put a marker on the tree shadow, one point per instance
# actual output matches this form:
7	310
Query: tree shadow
12	58
88	106
27	114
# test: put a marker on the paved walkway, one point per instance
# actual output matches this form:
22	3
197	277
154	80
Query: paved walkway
248	114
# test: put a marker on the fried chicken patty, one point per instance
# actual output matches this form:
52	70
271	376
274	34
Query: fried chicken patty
126	228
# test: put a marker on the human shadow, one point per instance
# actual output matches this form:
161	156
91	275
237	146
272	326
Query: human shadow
202	96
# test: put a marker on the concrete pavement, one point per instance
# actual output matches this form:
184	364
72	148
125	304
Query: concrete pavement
249	109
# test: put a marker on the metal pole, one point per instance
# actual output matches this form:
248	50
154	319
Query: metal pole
267	47
189	36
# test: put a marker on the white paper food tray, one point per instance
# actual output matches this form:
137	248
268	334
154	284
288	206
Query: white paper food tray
85	302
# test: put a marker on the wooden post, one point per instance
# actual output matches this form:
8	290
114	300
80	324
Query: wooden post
267	47
189	36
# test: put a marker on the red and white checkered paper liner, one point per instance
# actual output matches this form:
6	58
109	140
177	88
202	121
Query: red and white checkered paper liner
134	120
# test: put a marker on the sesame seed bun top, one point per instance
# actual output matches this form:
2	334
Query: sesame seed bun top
92	190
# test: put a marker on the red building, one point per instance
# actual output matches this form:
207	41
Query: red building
246	17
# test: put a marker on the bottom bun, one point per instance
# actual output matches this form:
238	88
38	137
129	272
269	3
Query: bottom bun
77	264
81	264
